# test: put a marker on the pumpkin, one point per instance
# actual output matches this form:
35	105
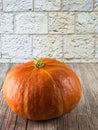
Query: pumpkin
42	89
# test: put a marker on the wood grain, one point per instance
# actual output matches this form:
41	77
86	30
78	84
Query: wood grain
83	117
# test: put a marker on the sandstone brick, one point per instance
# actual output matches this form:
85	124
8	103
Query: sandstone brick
84	60
0	4
47	46
16	46
78	46
31	23
87	22
6	23
4	60
17	5
20	60
96	4
61	22
96	46
0	46
77	5
47	5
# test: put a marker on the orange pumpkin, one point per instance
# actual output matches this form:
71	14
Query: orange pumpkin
42	89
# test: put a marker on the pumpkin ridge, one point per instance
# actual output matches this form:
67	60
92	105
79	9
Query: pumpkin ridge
57	86
26	110
73	75
71	87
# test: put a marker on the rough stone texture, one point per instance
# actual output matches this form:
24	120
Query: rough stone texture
0	4
17	5
47	46
20	60
96	46
31	23
6	23
5	60
16	46
84	60
96	4
47	5
0	46
78	46
61	23
77	5
63	29
87	22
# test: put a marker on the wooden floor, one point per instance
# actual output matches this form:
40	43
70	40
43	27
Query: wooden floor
83	117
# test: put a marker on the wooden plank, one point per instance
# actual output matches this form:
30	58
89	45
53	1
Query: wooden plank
7	117
3	70
42	125
9	120
83	109
3	107
20	123
93	100
89	98
92	86
62	122
93	69
83	123
83	106
72	122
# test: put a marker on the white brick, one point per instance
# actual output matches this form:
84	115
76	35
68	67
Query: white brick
17	5
0	46
96	46
6	23
87	22
47	46
18	60
16	46
77	5
87	60
96	5
78	46
47	5
0	4
61	23
4	60
31	23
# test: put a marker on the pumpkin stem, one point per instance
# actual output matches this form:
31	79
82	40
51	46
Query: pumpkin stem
38	63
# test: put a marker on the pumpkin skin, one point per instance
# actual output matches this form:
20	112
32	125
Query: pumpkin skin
42	93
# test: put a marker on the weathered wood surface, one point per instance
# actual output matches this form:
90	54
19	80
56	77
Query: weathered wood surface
83	117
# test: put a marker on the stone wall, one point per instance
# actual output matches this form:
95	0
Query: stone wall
63	29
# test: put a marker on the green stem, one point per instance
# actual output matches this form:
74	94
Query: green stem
38	63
